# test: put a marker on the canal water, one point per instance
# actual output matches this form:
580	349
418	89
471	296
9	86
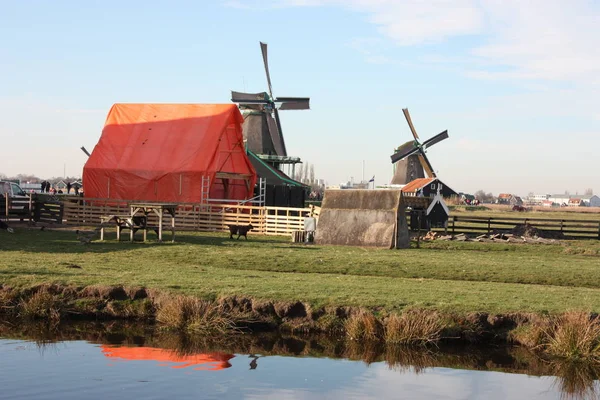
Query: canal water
123	362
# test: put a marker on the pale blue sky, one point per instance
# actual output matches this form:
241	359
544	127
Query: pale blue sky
515	83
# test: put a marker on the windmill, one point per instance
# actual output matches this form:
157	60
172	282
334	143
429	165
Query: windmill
412	153
262	126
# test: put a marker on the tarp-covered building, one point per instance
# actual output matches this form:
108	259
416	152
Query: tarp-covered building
162	152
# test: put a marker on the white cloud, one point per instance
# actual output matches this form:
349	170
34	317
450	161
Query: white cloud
538	39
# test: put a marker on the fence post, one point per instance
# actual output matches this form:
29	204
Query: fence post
453	223
30	204
7	198
489	225
419	230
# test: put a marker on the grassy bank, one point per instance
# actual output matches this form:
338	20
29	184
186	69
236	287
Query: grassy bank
447	276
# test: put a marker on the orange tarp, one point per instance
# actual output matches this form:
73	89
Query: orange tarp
209	361
160	152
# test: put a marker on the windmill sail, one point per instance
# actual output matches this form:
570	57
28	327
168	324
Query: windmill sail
262	126
409	149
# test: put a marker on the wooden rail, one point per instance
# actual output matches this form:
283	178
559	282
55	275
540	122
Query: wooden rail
579	229
196	217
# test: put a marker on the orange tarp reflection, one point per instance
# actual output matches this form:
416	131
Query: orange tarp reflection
203	361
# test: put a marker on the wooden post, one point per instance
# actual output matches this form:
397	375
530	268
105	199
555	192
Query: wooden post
419	229
453	224
30	206
173	227
489	224
131	212
160	221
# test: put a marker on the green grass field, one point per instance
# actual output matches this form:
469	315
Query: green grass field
450	276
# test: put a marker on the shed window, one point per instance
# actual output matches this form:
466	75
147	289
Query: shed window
433	186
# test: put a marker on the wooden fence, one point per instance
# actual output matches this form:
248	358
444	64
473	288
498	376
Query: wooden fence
196	217
282	220
576	229
48	211
34	207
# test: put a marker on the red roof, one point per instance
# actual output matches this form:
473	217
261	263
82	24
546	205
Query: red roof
417	184
504	196
160	152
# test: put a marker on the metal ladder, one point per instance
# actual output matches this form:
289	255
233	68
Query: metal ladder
262	192
205	189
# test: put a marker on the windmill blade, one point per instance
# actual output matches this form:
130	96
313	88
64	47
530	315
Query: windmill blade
241	97
436	139
282	141
251	106
426	165
263	48
410	124
293	103
404	151
276	137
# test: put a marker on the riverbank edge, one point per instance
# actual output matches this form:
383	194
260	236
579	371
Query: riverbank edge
56	303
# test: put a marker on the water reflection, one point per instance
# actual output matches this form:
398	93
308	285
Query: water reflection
429	371
201	361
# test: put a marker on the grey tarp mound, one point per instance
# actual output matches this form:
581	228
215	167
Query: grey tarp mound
363	218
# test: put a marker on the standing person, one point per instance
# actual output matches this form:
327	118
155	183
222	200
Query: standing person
48	187
68	187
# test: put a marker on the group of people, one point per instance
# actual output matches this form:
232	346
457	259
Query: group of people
47	187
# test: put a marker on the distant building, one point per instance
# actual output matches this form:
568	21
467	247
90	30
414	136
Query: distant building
575	202
566	200
428	187
510	199
60	185
537	199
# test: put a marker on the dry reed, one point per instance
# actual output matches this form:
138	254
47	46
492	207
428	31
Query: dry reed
413	327
41	304
193	315
363	326
574	336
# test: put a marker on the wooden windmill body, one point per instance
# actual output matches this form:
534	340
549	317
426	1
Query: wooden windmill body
262	125
410	159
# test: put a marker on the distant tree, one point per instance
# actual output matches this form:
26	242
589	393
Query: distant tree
305	174
484	197
567	192
28	178
589	192
3	176
298	175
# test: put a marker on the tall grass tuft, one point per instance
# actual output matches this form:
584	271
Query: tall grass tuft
363	326
42	304
413	327
574	336
193	315
8	302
